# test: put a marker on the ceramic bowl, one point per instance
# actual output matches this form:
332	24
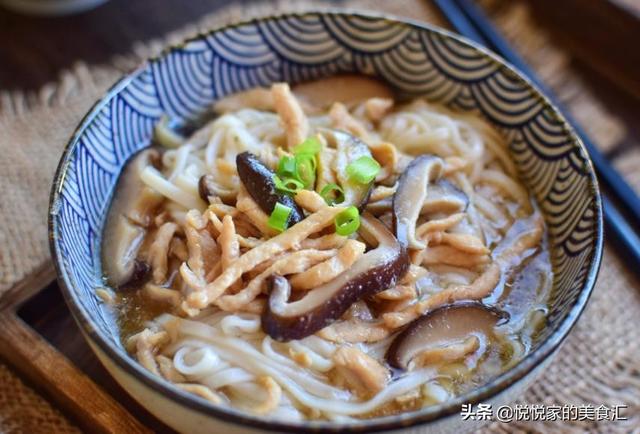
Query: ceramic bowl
415	59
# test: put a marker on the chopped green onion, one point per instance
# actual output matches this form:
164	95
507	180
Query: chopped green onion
363	170
306	169
301	167
310	146
287	167
332	194
348	221
279	217
288	185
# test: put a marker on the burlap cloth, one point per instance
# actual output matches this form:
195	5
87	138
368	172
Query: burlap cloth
600	362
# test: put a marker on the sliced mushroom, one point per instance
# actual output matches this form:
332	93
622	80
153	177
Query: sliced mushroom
375	271
447	325
130	213
139	275
444	197
122	240
133	198
208	189
197	129
381	206
348	149
412	191
258	180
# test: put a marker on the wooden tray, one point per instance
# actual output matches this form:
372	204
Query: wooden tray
40	339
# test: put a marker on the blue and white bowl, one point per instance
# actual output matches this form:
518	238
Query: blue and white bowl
415	59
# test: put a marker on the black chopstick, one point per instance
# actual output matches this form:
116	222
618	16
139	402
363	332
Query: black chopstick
623	235
618	188
472	23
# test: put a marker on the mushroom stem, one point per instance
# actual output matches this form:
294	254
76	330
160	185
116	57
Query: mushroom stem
129	215
410	196
348	149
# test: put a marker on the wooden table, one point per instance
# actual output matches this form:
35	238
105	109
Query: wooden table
35	50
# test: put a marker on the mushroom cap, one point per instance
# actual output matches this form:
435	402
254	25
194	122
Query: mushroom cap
258	180
375	271
444	325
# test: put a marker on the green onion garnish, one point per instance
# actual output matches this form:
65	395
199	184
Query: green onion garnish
363	170
288	185
310	146
302	166
332	194
286	167
348	221
279	217
306	169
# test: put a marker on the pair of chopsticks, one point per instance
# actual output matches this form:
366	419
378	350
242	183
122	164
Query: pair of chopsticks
621	204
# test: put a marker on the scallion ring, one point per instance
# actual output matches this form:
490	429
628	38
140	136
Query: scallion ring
332	194
363	170
287	167
288	185
348	221
310	146
306	169
279	217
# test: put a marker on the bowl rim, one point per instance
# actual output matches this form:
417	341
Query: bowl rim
244	419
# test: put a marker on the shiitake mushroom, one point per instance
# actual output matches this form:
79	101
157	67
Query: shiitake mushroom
258	180
375	271
128	218
413	187
444	325
348	149
209	189
444	197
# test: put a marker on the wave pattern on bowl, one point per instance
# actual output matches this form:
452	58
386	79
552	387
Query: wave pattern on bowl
415	60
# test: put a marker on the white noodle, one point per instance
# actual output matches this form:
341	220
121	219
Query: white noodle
303	387
229	353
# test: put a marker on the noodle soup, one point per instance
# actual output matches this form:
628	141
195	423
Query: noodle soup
326	252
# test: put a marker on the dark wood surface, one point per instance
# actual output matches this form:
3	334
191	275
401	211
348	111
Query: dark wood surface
49	316
34	50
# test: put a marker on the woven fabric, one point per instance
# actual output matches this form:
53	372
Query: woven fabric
24	411
597	365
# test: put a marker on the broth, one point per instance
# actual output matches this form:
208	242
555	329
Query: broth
202	262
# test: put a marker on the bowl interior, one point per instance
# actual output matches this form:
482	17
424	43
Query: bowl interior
415	60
